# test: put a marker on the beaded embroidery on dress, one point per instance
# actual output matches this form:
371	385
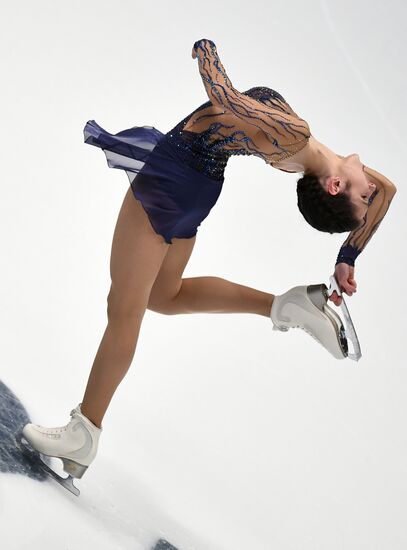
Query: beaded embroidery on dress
178	176
209	136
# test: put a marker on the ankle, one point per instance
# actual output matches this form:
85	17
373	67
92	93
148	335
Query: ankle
96	420
269	306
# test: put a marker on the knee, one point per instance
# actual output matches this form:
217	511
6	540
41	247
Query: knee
126	304
165	307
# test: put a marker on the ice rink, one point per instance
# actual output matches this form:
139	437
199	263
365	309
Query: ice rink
224	435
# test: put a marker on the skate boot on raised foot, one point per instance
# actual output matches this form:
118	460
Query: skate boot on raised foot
305	307
75	444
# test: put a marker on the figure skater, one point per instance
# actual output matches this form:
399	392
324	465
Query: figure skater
175	180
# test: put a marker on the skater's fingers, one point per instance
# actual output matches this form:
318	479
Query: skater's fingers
348	290
346	287
335	298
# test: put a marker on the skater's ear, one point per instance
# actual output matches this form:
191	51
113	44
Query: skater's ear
335	185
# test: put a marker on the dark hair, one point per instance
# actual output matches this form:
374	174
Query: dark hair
325	212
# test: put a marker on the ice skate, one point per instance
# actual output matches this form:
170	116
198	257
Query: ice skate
305	307
75	444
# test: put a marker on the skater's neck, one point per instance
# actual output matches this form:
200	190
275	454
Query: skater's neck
319	160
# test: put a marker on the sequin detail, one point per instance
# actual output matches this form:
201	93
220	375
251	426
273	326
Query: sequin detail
209	150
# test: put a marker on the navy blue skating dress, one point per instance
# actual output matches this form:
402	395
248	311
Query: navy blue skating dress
178	176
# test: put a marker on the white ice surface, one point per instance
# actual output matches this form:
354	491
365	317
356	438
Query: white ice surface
223	435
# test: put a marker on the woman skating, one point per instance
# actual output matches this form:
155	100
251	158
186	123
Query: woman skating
175	180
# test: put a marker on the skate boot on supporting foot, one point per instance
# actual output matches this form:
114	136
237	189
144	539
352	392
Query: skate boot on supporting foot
305	307
75	444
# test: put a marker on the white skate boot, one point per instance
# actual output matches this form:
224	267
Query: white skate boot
305	307
75	444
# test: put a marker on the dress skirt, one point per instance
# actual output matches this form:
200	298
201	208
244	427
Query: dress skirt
176	197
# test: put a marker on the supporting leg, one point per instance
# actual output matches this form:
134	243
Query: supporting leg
136	258
112	361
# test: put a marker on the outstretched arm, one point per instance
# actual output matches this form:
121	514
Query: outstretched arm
281	128
380	203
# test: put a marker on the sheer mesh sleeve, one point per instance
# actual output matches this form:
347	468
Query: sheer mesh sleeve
378	207
285	132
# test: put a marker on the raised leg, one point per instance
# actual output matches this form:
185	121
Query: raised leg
217	295
172	294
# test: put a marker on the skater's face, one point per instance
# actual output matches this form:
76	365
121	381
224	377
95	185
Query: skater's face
353	180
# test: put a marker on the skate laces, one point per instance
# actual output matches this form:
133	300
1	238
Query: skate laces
61	429
77	410
54	430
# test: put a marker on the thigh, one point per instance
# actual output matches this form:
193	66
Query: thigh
169	279
136	256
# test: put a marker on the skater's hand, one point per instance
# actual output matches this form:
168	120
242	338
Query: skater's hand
210	42
344	275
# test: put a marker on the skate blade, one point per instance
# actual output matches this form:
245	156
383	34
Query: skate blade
339	329
33	454
350	331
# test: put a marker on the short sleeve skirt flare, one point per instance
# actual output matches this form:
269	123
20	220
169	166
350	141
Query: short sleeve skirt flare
176	197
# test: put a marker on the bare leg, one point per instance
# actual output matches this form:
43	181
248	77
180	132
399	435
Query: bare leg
213	295
137	254
112	361
172	294
217	295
